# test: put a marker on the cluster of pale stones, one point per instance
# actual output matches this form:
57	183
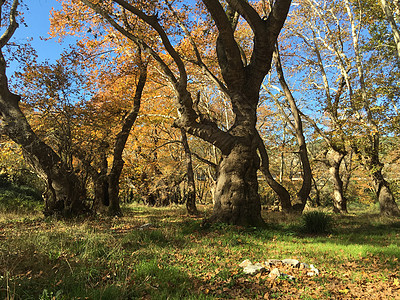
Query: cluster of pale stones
271	265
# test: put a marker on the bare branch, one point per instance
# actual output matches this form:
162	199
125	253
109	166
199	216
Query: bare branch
12	26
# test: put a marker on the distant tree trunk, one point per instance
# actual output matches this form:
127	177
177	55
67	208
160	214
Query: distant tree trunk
120	142
393	25
101	197
281	192
64	194
317	193
370	151
305	189
387	203
384	195
334	159
191	192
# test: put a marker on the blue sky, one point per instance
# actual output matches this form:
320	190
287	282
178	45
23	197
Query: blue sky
38	25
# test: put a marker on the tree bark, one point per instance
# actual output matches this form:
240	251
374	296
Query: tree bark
236	193
282	193
236	197
64	194
120	142
334	160
387	203
384	195
191	192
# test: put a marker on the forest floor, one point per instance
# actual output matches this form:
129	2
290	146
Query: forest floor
175	258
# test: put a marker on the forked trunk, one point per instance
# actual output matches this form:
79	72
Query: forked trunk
236	193
384	195
334	160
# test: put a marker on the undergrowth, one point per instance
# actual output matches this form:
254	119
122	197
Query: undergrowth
177	258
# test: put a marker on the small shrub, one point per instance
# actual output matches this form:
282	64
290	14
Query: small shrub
317	222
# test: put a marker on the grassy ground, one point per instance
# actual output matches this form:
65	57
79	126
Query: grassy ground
178	259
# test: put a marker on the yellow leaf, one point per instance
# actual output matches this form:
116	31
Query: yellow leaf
396	282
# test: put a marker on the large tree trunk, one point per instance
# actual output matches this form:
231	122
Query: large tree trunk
64	194
334	160
236	198
387	203
384	195
236	193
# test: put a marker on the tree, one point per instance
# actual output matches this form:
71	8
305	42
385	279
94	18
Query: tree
64	193
333	35
236	197
391	12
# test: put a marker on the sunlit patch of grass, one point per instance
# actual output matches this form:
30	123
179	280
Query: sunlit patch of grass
177	258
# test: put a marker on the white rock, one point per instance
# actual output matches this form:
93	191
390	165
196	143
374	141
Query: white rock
292	262
304	266
313	271
274	273
272	262
312	268
253	269
145	226
245	263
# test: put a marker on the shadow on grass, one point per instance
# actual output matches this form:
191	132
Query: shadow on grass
94	269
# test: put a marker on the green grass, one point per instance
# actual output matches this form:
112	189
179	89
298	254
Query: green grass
110	258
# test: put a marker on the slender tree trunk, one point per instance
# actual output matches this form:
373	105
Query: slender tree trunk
191	192
391	19
334	160
101	197
305	189
120	142
282	193
317	193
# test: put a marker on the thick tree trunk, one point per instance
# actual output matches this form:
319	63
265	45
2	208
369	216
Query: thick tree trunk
387	203
191	192
384	195
334	160
236	198
64	194
236	193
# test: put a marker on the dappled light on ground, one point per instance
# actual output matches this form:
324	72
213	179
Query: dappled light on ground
175	257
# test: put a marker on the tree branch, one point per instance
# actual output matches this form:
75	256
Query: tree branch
12	26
